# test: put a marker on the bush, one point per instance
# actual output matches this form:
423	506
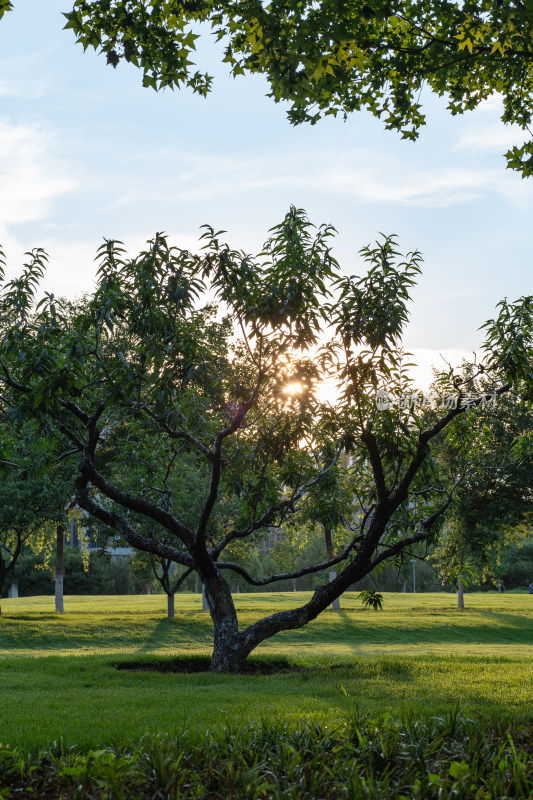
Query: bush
516	568
103	576
435	758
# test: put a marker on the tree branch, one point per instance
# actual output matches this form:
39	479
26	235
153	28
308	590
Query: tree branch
10	381
184	435
140	506
122	526
425	437
289	575
265	520
74	408
216	463
181	580
423	527
369	440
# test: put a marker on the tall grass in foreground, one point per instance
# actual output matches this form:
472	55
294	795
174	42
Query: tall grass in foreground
443	757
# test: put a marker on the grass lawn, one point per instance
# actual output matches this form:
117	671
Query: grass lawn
419	656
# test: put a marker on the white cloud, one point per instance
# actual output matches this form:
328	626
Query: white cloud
10	88
492	104
13	86
492	137
362	176
70	268
30	176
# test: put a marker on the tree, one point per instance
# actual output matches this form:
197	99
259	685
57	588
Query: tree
102	576
138	371
496	496
33	495
516	567
186	494
334	57
331	506
35	482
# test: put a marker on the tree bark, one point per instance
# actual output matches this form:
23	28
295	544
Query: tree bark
461	586
7	568
60	534
336	605
461	595
170	606
229	651
3	573
229	655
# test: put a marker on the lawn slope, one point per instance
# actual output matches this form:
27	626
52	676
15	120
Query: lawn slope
420	656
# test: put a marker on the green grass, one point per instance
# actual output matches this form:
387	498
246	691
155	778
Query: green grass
419	656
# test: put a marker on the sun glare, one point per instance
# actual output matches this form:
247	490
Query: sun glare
293	388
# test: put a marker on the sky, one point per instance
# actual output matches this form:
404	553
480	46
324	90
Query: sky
87	153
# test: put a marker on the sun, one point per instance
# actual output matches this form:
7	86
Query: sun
293	388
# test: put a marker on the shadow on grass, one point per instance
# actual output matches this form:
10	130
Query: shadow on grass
194	664
179	631
353	632
472	626
34	616
391	669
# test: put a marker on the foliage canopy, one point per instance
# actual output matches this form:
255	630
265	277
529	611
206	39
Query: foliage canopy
332	57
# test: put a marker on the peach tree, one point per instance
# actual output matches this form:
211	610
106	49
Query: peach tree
188	391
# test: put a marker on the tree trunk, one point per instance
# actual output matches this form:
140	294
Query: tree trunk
336	604
461	595
229	650
73	532
170	606
60	536
461	586
7	568
229	655
2	579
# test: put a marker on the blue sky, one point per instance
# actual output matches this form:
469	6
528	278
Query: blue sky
86	152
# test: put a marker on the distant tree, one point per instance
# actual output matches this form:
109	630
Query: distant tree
34	574
164	571
496	494
138	370
515	569
331	506
33	495
297	544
